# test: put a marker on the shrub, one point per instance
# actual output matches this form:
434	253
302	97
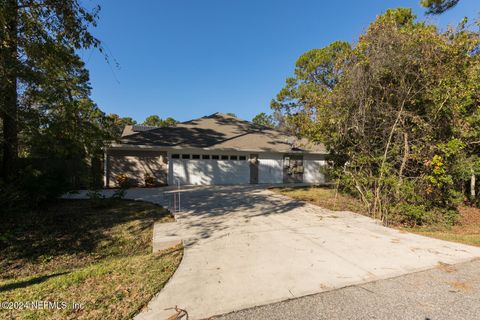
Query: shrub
95	195
413	215
123	181
119	194
150	181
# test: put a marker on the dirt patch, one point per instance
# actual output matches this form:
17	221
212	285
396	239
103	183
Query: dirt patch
446	267
460	286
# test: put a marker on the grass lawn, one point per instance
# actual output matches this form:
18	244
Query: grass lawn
466	231
323	197
94	253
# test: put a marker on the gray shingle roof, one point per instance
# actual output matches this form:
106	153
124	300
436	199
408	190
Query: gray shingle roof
220	131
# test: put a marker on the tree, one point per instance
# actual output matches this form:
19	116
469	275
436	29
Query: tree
62	131
263	120
33	34
156	121
231	114
118	123
153	120
438	6
402	118
128	121
169	122
315	76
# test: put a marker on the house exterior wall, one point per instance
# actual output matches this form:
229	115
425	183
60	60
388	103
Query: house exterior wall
270	168
167	170
136	164
312	164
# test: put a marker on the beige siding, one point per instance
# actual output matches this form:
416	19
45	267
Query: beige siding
136	164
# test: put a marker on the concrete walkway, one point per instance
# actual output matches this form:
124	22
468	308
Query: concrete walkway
247	247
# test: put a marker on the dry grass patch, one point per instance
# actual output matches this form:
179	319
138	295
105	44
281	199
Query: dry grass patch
324	197
466	231
97	254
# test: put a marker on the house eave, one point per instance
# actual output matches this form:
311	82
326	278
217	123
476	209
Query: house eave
120	146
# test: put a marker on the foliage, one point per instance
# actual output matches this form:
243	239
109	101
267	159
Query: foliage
119	193
124	181
314	78
438	6
399	112
150	181
263	120
466	231
52	132
119	121
156	121
99	256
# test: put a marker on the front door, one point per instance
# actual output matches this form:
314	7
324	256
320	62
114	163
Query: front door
254	169
293	168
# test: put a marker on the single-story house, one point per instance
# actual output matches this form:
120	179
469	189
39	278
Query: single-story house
215	149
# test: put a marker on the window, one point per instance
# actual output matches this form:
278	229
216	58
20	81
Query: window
224	157
185	156
233	157
175	156
215	157
242	158
195	156
206	156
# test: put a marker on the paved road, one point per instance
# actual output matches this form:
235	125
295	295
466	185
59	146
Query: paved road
247	247
442	293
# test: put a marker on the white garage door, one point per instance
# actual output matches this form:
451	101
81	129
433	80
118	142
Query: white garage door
211	171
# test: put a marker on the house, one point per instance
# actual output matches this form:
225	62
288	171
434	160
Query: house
216	149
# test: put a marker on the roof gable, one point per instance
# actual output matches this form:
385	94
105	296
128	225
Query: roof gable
218	131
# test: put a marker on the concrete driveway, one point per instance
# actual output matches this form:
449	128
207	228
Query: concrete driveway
247	246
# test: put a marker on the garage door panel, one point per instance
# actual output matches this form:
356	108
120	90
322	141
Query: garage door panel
210	171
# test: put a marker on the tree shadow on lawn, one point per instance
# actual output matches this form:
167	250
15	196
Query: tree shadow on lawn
30	282
71	233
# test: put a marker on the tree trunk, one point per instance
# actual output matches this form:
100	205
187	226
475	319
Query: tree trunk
472	187
406	153
8	83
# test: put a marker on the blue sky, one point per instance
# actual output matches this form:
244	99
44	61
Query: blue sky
186	59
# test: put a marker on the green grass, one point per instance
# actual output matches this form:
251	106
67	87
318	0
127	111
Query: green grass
448	235
466	231
97	254
324	197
